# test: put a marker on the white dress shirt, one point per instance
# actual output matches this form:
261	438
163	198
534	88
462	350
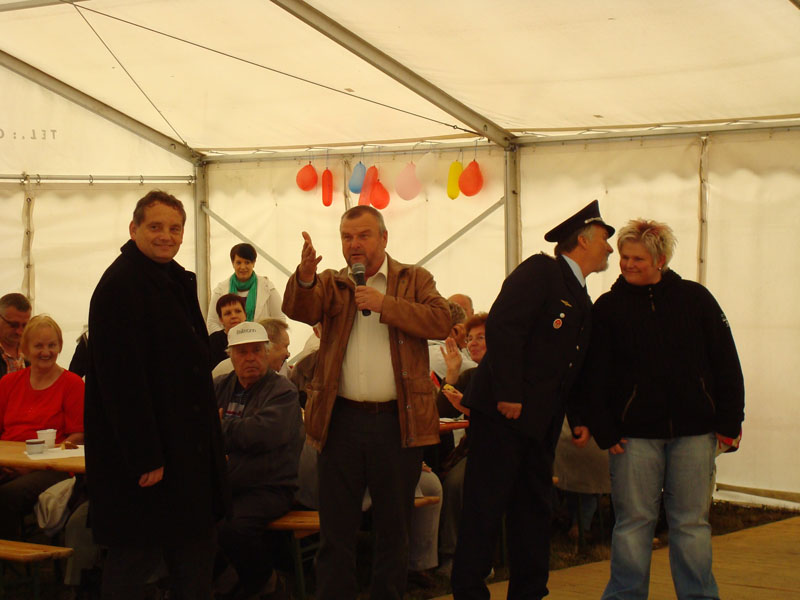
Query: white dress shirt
367	373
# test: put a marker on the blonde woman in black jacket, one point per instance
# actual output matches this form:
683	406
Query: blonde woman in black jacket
664	389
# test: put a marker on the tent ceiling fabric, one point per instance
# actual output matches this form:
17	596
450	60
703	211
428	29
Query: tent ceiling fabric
528	65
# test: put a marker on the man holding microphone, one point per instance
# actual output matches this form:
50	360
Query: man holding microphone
371	405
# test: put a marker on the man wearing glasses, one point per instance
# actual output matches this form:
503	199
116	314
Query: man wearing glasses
15	311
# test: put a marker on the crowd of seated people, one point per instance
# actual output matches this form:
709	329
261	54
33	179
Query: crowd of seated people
260	413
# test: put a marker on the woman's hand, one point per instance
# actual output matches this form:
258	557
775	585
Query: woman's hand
452	358
618	448
454	397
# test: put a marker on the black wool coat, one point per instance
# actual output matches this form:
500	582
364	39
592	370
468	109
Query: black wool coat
150	403
536	338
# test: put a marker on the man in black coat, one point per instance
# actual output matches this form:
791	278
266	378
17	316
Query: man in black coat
154	460
536	336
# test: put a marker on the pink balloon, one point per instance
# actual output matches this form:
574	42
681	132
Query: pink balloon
366	188
327	187
307	178
379	196
471	179
407	184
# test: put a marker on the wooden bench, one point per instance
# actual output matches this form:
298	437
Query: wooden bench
303	523
31	555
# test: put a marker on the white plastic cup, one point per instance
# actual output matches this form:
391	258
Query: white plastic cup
34	446
48	435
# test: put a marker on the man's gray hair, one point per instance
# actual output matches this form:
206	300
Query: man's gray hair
360	210
570	243
274	327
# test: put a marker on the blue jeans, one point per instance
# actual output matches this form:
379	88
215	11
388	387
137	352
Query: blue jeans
683	468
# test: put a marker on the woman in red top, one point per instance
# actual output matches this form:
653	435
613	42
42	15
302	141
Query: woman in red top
42	396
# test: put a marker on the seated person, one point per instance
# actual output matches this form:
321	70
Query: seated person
449	404
457	333
230	310
42	396
263	435
277	349
262	299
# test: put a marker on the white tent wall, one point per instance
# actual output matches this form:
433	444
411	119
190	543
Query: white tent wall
753	261
12	231
263	202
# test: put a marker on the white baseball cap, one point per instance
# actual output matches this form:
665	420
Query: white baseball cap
247	332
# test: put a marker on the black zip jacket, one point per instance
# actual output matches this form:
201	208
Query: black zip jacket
662	363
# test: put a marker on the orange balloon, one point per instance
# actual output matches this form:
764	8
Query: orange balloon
471	179
366	188
307	178
379	196
327	187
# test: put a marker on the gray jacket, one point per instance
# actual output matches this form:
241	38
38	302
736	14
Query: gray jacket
263	445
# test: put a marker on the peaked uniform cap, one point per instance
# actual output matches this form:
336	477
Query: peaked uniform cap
589	215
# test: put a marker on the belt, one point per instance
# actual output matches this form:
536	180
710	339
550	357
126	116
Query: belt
370	407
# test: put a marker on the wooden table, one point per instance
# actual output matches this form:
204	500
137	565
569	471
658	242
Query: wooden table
12	454
445	426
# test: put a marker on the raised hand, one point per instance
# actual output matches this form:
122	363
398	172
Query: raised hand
308	260
452	359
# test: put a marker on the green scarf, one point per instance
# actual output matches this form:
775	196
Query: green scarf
251	285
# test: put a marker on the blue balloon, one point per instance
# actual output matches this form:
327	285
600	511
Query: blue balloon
357	178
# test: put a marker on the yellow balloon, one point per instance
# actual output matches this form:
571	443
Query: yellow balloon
452	179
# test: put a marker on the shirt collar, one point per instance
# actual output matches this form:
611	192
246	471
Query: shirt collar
576	270
383	270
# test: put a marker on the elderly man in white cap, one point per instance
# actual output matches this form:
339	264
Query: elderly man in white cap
263	434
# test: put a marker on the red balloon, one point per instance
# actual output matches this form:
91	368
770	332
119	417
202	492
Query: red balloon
366	188
471	179
327	187
307	178
379	196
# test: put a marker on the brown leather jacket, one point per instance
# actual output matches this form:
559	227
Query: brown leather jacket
414	312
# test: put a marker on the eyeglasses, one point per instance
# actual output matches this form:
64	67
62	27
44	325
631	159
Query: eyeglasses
477	338
14	324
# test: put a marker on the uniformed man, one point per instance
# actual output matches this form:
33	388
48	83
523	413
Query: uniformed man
535	337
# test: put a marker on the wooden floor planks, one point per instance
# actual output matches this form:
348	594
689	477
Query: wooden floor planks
761	563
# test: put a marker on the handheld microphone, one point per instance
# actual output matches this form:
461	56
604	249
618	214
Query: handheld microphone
360	275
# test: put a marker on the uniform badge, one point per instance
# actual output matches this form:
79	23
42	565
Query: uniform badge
557	324
565	303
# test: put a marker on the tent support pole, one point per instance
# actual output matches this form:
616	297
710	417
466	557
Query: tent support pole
396	70
99	108
244	238
28	286
460	232
702	238
202	242
512	210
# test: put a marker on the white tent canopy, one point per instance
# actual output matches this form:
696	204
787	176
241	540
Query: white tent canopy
683	111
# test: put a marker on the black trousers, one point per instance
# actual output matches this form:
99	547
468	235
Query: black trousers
244	538
128	569
19	495
507	473
363	450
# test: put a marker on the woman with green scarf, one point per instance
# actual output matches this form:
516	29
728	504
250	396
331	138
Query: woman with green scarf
262	299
